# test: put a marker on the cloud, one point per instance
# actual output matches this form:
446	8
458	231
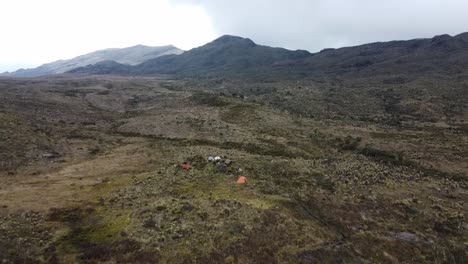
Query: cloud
36	32
318	24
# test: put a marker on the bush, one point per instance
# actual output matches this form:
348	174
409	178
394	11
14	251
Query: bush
109	85
208	100
325	183
382	155
350	143
94	150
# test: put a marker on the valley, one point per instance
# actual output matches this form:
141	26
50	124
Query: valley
362	170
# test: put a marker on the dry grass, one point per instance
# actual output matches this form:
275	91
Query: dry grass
316	193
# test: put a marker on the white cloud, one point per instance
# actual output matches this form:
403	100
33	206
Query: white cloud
39	31
318	24
35	32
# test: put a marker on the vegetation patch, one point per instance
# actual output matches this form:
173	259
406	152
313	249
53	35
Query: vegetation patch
208	99
273	149
240	114
385	156
93	235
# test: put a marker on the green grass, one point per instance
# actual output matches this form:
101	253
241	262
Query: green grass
240	114
208	99
89	234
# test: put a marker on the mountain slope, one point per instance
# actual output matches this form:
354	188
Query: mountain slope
235	56
130	56
226	55
440	54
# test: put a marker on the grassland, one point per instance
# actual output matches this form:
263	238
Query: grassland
90	172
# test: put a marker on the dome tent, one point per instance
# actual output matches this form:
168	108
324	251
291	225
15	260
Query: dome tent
242	180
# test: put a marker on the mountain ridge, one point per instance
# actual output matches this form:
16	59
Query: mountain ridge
227	53
237	56
130	56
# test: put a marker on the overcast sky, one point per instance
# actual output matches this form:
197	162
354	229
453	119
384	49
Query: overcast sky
39	31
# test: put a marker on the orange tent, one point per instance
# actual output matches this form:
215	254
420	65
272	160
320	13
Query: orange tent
186	167
242	180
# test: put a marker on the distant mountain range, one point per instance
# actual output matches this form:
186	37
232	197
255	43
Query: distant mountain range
125	56
441	54
227	55
236	56
231	56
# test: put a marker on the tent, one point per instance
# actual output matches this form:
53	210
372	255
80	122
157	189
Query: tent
186	167
242	180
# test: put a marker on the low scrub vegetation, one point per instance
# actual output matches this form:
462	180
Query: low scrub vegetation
95	176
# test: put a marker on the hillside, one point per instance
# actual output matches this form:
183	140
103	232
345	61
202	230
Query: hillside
393	82
442	54
227	55
91	172
231	56
128	56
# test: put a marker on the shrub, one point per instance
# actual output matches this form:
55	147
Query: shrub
382	155
350	143
208	100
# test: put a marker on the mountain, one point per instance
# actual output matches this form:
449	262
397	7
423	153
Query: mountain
441	54
128	56
108	67
235	56
226	55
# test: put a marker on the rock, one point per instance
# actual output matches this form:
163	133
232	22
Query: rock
222	167
50	155
406	236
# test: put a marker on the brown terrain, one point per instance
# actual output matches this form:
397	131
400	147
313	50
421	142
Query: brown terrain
340	171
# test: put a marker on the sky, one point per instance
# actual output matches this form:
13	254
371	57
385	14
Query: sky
35	32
